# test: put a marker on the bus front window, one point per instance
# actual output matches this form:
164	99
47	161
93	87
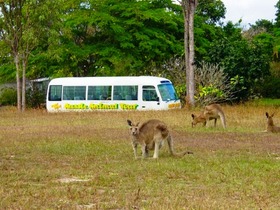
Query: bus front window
55	93
167	92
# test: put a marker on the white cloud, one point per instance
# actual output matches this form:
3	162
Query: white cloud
250	10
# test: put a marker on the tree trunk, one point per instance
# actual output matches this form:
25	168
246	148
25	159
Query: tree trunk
23	102
186	46
188	10
191	52
18	82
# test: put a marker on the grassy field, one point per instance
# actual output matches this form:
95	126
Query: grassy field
85	161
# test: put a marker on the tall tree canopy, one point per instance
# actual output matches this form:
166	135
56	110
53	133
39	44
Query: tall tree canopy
118	37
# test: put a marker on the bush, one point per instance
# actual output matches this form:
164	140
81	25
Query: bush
8	97
212	84
35	98
270	87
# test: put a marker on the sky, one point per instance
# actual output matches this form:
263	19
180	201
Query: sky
250	10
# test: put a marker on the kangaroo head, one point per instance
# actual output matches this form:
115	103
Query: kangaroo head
269	118
198	119
134	128
195	120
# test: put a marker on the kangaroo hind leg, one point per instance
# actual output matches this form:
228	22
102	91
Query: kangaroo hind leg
156	152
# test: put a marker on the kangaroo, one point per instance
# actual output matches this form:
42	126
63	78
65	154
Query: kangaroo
151	135
270	125
210	112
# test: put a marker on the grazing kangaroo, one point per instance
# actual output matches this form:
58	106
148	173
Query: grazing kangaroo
210	112
270	125
151	135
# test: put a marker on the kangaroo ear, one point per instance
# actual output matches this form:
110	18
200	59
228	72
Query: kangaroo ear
272	114
267	115
193	116
137	123
129	122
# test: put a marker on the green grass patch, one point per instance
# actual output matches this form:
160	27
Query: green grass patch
266	102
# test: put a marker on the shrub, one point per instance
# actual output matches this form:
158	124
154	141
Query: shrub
270	87
35	98
212	84
8	97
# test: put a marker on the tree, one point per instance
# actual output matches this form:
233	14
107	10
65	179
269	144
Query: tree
245	61
208	16
23	24
12	34
277	19
121	37
188	11
18	33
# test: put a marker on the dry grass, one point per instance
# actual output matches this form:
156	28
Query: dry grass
85	161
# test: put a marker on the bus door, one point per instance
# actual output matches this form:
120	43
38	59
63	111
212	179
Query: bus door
150	98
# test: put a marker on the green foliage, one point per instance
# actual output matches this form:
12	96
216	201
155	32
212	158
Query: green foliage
238	81
7	69
210	91
181	92
277	19
8	96
35	98
211	11
264	25
246	59
269	87
118	38
276	45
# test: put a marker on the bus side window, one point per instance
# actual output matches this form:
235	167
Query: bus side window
55	93
117	96
99	92
74	92
105	92
79	93
125	92
131	92
149	93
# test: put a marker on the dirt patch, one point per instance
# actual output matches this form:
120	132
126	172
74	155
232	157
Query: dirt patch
72	179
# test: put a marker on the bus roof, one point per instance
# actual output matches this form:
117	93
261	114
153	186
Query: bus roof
123	80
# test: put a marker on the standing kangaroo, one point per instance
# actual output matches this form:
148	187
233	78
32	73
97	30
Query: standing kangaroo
270	125
210	112
151	135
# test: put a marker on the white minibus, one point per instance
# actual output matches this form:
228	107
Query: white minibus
111	93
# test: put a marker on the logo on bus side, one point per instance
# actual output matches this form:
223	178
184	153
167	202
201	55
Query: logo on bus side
175	105
56	106
103	106
129	106
99	106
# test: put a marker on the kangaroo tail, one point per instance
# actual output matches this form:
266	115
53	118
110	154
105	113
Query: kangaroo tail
171	148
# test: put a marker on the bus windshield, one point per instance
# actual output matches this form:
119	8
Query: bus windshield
167	92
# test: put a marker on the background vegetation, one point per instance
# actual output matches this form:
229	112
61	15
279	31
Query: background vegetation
85	161
104	37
